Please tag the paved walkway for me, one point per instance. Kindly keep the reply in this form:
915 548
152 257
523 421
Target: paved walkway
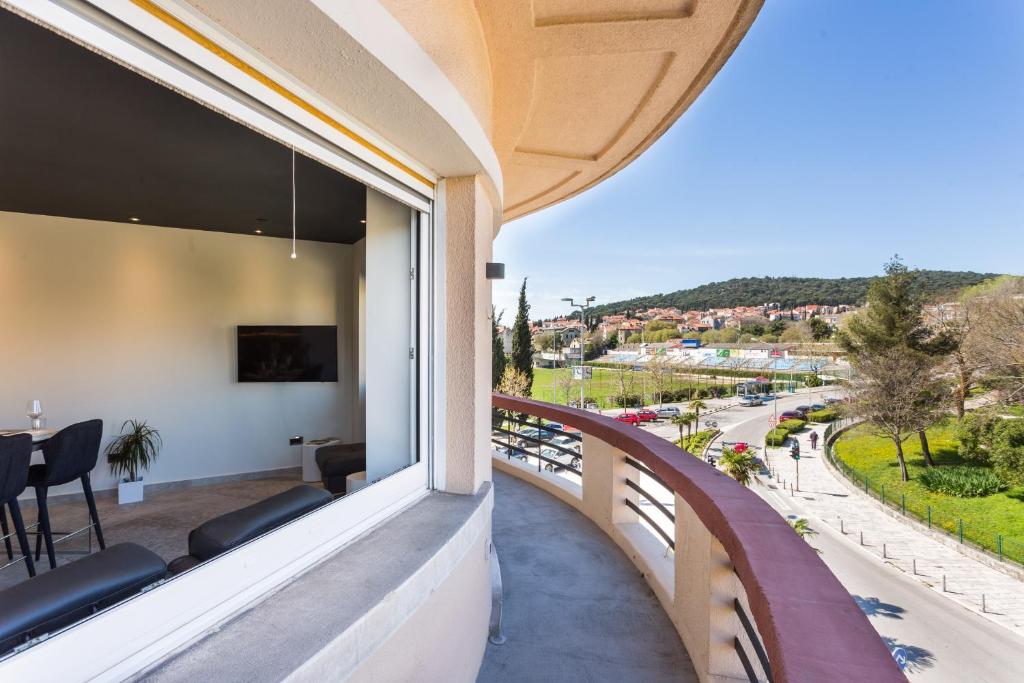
824 497
575 608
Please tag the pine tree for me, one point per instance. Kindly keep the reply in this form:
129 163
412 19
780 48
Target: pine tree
498 359
894 322
522 344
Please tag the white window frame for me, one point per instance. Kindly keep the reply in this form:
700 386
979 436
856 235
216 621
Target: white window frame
134 634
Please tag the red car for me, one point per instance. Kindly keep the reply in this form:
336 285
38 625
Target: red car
646 415
791 415
631 418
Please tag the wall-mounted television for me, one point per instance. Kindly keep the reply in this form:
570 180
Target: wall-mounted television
287 353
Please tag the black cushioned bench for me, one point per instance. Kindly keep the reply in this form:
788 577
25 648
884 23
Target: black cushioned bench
338 461
223 533
72 591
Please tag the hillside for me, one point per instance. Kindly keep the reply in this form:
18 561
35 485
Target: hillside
788 291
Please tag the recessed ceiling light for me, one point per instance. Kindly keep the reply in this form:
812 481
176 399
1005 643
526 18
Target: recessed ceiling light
362 221
134 219
258 231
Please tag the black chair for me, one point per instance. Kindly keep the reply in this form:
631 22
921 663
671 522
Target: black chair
70 454
15 454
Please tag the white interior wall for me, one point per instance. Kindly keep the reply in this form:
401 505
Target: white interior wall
386 366
121 321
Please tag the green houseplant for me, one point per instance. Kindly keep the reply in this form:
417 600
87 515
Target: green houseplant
130 454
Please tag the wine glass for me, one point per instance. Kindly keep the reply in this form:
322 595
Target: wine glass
34 409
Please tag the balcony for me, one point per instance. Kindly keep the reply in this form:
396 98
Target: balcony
748 598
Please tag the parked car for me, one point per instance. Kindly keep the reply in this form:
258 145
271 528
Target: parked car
803 410
646 415
815 407
832 400
561 460
750 400
592 406
530 435
668 412
631 418
566 442
790 415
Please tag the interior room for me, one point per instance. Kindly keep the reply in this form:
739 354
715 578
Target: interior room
164 267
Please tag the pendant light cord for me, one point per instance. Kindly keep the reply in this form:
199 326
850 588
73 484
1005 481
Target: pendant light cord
293 204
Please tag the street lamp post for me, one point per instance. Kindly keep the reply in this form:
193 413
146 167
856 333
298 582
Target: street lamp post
583 321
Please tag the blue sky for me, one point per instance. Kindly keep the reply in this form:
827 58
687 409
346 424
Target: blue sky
838 134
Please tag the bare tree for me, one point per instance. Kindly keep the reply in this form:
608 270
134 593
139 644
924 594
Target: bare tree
625 378
897 392
999 338
661 374
566 384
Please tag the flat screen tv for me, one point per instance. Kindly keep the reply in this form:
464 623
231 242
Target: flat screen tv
287 353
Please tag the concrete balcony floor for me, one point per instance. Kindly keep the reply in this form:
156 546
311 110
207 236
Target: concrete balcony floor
575 607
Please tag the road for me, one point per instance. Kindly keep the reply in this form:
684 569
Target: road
944 641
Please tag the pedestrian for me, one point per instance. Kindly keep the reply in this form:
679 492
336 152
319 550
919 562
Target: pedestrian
814 441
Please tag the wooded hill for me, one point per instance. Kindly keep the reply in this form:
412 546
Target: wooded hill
787 291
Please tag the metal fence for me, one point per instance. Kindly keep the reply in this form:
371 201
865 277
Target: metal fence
1005 549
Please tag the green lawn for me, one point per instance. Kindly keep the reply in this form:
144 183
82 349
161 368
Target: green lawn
984 519
605 386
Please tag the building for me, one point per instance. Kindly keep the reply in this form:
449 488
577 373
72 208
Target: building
250 223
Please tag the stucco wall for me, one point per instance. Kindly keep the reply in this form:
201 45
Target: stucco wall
468 230
122 321
450 32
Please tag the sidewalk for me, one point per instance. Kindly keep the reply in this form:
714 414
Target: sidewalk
822 497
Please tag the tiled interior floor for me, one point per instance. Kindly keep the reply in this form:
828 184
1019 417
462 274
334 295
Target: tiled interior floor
160 523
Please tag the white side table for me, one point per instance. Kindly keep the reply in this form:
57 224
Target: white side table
310 472
354 482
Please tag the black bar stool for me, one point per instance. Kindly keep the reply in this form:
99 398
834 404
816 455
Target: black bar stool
15 454
70 454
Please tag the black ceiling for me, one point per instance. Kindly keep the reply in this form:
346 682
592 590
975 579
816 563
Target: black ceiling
83 137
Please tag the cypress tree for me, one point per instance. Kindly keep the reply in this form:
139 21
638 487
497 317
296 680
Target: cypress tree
498 360
522 345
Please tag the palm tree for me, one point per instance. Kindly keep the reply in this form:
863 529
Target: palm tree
696 406
739 466
803 529
691 419
679 421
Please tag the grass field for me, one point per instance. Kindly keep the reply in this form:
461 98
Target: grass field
985 519
549 385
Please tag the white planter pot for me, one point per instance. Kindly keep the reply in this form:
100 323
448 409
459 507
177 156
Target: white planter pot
129 491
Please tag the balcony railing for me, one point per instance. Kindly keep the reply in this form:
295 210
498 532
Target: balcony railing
749 598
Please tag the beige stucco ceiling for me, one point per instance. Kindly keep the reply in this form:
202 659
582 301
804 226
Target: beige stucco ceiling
581 87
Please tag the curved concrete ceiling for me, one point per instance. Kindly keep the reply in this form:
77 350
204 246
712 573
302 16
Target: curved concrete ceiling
581 88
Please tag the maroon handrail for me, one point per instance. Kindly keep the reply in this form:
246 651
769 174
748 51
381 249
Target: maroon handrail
812 629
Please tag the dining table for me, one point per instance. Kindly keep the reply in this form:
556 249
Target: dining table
39 436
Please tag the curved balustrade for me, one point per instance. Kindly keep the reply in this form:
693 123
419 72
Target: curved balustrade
733 556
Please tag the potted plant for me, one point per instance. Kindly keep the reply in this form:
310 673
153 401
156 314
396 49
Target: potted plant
129 455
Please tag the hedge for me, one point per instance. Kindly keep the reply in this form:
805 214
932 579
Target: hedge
777 436
827 415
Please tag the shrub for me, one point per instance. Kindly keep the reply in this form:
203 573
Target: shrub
813 381
974 433
792 426
1007 453
961 481
827 415
776 437
631 401
697 442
